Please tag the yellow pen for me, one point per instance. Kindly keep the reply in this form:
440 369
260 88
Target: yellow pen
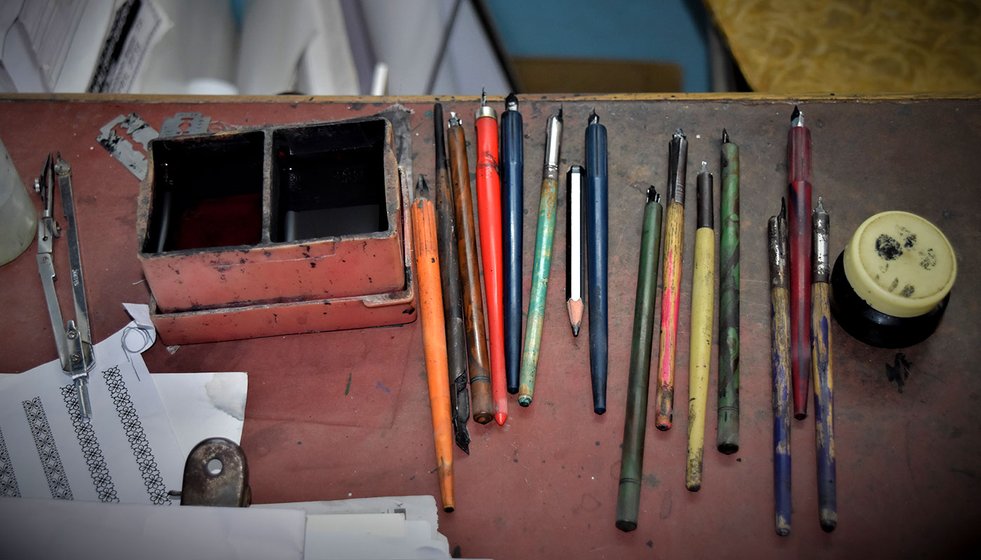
700 345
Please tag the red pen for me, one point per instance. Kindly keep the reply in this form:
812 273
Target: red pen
491 249
799 224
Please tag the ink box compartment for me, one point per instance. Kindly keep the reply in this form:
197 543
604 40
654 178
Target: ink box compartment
275 230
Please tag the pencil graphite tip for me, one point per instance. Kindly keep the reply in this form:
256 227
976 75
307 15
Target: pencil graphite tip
725 136
500 417
797 117
511 102
576 310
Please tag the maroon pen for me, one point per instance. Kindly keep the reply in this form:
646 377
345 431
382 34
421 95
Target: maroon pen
799 224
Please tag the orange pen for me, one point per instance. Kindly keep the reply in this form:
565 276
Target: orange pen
433 335
491 249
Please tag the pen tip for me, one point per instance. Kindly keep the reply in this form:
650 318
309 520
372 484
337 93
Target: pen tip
797 117
783 207
652 195
725 136
422 187
511 102
704 168
593 117
483 96
679 134
559 116
820 205
454 120
500 417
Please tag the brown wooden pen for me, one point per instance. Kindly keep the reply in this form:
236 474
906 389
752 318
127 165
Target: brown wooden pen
473 298
433 335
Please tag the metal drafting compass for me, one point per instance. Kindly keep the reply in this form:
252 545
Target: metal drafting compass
74 338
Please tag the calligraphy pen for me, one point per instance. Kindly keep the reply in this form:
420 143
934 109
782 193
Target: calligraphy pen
799 224
674 244
473 296
489 210
597 241
635 422
543 259
727 432
456 340
433 335
780 363
700 343
821 362
512 179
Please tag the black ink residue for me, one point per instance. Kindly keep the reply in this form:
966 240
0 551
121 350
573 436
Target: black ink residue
899 371
894 285
888 248
929 259
908 290
910 241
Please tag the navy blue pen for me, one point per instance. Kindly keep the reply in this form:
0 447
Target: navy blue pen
512 177
597 240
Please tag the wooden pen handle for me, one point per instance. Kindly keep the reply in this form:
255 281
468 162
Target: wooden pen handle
473 296
434 341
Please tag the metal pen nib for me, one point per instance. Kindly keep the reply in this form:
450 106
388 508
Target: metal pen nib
797 117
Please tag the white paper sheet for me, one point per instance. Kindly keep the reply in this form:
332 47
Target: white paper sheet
126 453
81 531
203 405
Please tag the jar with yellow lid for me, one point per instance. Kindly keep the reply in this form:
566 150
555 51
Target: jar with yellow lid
891 284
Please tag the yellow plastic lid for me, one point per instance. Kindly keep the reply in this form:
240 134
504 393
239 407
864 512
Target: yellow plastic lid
900 264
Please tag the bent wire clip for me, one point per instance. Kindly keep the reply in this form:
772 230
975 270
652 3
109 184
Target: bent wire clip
74 338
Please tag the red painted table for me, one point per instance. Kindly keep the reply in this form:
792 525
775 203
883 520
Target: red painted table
345 414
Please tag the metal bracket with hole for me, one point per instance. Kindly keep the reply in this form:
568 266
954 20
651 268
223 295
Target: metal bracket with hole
216 474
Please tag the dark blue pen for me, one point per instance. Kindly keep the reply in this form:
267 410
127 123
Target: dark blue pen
597 240
512 175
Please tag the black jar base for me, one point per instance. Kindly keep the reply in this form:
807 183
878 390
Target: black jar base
873 327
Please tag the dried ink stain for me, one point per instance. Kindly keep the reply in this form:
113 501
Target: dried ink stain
899 371
888 248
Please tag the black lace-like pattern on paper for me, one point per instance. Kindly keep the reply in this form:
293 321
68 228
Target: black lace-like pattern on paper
54 470
91 450
142 452
8 480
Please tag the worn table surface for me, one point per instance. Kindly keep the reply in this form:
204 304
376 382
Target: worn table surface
345 414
